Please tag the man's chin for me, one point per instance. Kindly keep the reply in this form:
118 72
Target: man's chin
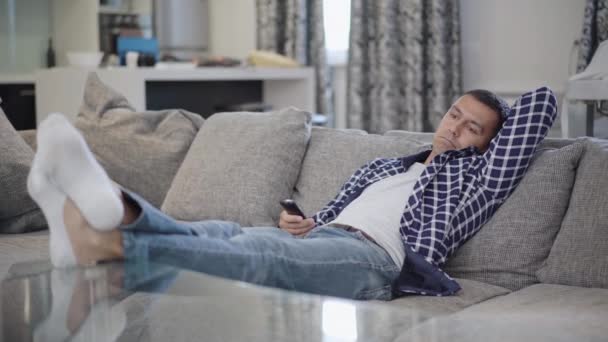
438 149
442 146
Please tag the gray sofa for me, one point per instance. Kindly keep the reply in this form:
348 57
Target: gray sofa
540 264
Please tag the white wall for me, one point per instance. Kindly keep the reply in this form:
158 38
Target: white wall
75 27
510 46
232 27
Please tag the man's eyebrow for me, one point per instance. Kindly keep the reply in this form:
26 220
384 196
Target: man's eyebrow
472 121
457 109
478 125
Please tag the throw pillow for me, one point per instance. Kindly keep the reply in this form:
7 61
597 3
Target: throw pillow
579 256
515 242
29 136
140 150
18 212
334 155
240 166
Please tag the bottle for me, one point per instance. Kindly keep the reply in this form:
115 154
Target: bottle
50 55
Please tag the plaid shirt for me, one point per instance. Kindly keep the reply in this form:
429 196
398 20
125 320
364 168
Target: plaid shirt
456 194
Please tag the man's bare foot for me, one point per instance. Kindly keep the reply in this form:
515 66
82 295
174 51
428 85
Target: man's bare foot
89 245
76 196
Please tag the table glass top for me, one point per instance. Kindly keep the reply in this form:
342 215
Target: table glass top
152 302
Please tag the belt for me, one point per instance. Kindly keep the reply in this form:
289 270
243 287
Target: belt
352 229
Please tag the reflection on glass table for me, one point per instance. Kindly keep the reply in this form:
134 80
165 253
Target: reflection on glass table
152 302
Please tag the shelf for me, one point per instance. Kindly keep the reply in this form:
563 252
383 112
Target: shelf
17 79
587 90
113 10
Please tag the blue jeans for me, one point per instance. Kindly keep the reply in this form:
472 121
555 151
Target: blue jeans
328 261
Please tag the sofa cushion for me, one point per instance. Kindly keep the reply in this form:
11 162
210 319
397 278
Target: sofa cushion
29 136
140 150
18 212
540 312
472 292
334 155
579 255
514 243
240 166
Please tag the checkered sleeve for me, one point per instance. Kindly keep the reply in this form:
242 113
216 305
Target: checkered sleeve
335 206
511 151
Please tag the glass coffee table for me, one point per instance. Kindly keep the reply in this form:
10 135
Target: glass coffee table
153 302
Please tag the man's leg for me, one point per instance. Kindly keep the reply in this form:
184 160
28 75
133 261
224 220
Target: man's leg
329 261
151 220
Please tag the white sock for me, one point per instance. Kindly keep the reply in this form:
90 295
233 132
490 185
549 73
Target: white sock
65 167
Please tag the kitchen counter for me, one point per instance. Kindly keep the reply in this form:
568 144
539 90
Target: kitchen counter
61 89
588 92
177 74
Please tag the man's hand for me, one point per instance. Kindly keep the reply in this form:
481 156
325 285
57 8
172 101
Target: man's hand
295 224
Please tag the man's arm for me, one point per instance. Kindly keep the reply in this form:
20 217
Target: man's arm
511 151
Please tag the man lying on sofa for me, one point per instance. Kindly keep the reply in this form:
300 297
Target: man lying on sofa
391 226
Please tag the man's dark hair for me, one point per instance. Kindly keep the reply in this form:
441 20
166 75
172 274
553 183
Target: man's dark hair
493 101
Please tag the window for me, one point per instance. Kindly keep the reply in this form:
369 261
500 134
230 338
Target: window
337 26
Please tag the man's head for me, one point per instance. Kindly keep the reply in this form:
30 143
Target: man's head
473 120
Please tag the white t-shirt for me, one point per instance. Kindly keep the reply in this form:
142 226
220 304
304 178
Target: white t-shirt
378 210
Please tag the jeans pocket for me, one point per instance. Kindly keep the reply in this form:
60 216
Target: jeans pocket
381 293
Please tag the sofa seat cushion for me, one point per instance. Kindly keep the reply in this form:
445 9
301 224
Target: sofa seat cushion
425 307
579 256
240 166
541 312
334 155
516 241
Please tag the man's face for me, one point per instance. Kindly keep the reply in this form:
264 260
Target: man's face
467 123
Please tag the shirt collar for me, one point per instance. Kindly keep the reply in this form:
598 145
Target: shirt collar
447 155
420 157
